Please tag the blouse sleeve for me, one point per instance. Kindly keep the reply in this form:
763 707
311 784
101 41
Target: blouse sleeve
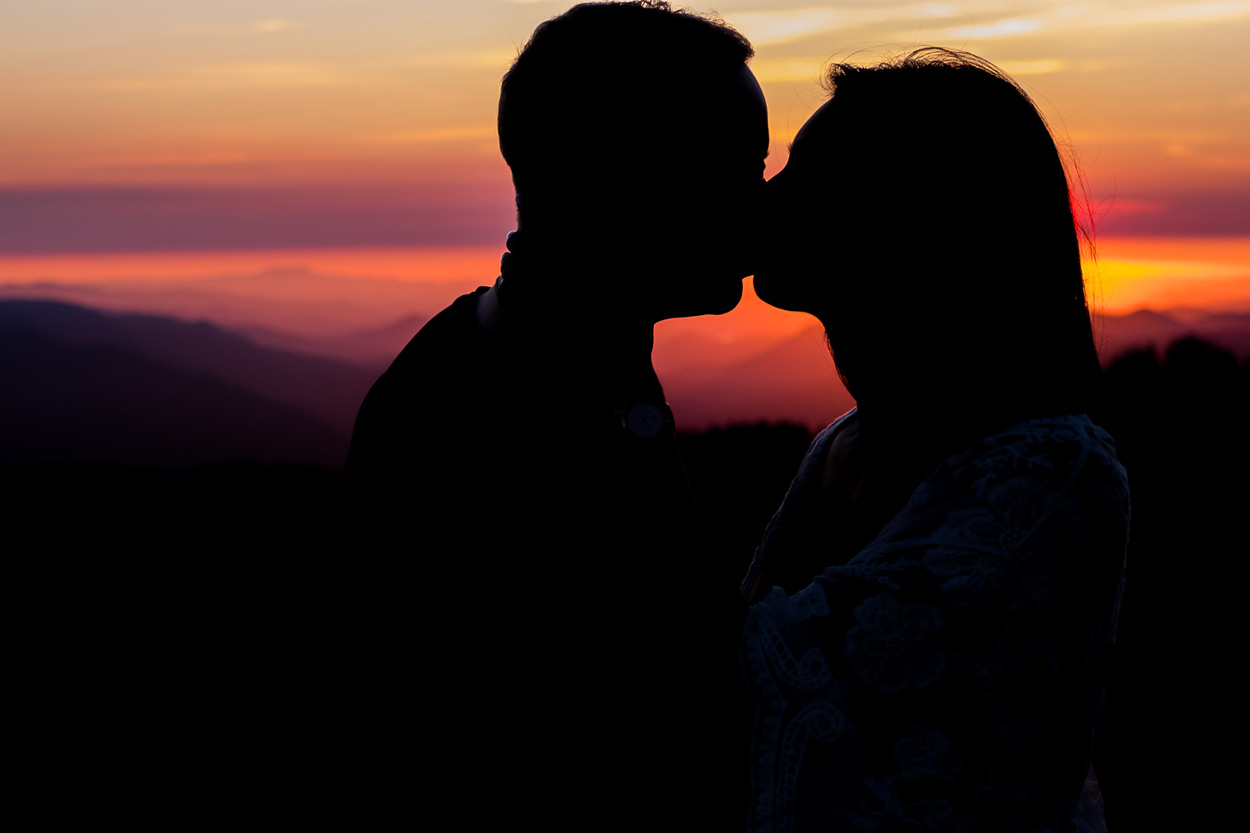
950 677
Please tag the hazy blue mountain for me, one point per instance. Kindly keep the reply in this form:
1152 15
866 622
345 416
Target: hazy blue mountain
373 348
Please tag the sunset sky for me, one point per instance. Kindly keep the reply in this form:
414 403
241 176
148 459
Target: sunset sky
360 133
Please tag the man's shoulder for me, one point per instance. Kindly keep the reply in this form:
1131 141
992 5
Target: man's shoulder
445 347
456 324
439 365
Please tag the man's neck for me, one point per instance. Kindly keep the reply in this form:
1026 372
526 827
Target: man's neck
583 338
569 292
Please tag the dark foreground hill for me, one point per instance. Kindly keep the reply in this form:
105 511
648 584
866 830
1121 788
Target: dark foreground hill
81 386
205 605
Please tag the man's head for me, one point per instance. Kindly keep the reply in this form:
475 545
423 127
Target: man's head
637 131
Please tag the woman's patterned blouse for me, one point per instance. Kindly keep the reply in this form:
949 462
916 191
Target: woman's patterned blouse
951 675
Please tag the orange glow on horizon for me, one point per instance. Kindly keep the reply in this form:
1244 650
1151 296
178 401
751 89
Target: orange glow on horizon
416 264
1132 273
1128 274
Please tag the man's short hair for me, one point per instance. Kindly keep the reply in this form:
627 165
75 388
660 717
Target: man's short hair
602 82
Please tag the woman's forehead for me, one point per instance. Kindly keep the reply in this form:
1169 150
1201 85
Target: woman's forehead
810 138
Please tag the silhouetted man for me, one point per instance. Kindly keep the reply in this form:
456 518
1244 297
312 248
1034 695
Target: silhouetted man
520 453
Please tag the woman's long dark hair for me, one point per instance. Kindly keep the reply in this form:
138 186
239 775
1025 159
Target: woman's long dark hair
955 254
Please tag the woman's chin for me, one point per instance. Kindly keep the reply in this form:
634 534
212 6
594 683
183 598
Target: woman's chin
729 297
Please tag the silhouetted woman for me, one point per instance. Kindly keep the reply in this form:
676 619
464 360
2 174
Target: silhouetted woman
934 602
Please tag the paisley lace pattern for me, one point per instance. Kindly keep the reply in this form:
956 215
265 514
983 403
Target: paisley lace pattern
950 677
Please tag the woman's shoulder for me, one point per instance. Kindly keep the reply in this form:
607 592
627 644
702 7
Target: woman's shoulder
1074 431
1020 502
1053 459
814 459
830 431
789 526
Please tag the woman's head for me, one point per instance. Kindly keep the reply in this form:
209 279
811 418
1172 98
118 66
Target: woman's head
925 217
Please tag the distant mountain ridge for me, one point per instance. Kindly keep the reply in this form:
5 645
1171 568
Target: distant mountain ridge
372 349
1118 334
79 384
795 379
789 380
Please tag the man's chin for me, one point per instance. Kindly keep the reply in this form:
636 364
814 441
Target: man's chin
730 298
717 300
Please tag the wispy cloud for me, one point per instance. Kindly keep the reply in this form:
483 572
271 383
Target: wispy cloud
1161 136
787 69
1009 28
1184 13
258 75
272 25
170 159
499 59
438 134
766 28
1037 67
974 20
999 23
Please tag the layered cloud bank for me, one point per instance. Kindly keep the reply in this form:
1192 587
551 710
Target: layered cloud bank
193 125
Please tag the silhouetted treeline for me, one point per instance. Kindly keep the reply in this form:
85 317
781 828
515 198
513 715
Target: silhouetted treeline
740 473
1181 421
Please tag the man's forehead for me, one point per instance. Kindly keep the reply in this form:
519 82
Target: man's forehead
736 114
737 84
